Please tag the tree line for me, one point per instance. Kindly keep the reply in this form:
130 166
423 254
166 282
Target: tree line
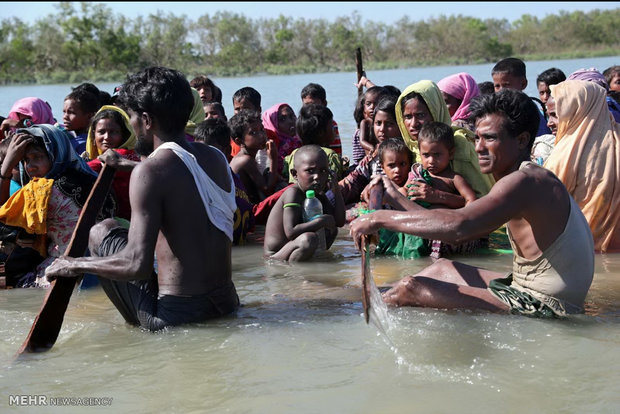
92 43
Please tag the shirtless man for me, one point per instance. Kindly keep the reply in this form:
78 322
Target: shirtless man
553 264
183 201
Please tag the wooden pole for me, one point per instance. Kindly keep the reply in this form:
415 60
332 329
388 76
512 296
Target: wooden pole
47 324
360 70
374 203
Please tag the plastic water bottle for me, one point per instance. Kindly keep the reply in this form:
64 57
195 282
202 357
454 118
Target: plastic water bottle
314 209
262 160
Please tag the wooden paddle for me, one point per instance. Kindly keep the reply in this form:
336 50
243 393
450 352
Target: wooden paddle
360 70
374 203
47 324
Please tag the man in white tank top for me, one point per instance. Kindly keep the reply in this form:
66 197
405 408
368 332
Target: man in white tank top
554 253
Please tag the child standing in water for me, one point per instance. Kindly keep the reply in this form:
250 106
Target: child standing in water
287 236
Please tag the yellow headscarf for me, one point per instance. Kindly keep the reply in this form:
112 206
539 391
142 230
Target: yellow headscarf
130 143
465 160
197 115
586 156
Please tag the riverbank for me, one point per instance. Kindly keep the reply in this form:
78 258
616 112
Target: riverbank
116 76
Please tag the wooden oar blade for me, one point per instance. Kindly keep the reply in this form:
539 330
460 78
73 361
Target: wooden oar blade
47 324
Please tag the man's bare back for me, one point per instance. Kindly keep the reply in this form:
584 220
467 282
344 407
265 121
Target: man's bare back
186 226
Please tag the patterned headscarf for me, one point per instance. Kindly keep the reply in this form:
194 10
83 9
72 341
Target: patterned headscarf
60 151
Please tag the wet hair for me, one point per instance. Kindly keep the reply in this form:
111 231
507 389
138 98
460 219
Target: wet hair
240 121
306 151
203 81
551 76
312 122
486 88
358 112
86 100
437 132
511 66
518 110
213 131
610 72
218 107
315 91
248 93
163 93
114 116
396 145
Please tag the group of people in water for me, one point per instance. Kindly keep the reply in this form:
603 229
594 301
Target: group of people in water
454 160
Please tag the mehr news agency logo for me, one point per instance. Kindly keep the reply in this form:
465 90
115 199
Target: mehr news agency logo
44 400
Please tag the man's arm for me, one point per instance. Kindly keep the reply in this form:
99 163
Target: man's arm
135 261
507 199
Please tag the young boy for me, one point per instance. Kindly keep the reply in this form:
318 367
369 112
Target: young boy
315 94
287 236
79 108
216 132
247 131
509 73
549 77
245 98
434 181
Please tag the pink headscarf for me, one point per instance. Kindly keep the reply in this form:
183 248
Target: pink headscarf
463 87
34 108
286 143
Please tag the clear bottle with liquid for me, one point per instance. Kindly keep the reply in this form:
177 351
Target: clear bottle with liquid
314 209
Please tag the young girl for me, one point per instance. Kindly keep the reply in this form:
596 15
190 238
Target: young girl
363 114
60 184
110 129
280 119
384 127
25 112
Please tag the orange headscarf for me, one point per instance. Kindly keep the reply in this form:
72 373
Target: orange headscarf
586 157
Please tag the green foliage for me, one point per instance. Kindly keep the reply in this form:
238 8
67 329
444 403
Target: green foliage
88 42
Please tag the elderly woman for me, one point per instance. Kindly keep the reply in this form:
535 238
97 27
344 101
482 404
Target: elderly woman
586 157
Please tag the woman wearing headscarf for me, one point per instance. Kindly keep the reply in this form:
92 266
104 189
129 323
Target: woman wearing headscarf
195 117
110 130
25 112
593 75
280 121
50 204
427 103
457 91
586 157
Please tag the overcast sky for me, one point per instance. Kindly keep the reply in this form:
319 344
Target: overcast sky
387 12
